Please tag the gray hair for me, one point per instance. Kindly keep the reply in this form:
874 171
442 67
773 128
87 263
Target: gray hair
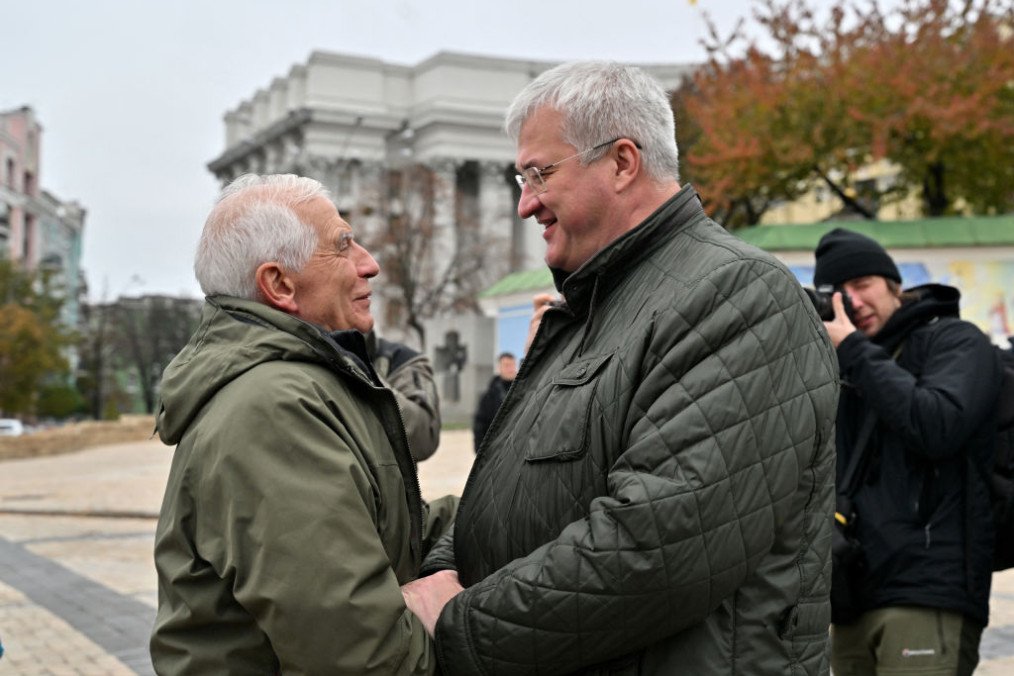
254 222
599 101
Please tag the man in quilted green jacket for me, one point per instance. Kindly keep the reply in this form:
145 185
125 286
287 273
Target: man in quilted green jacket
656 494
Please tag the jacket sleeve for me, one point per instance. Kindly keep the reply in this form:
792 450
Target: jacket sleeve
291 520
441 555
731 409
439 521
937 411
419 403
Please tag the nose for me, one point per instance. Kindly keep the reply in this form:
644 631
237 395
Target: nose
528 203
366 265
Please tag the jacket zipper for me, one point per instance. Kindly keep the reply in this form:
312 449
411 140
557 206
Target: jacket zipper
416 541
408 472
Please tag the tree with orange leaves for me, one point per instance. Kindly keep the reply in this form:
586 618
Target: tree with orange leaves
31 337
935 95
928 86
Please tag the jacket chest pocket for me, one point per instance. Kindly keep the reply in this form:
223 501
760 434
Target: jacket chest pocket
561 430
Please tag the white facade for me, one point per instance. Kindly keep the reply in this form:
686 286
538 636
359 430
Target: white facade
345 120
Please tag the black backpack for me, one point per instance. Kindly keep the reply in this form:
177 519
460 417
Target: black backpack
1001 481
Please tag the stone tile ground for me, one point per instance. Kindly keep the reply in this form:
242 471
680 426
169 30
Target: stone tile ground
77 582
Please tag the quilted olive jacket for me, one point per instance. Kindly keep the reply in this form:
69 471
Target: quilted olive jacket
655 495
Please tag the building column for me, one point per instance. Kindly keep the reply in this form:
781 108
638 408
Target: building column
369 192
444 212
496 207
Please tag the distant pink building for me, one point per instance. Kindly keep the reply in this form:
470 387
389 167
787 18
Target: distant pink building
37 229
20 205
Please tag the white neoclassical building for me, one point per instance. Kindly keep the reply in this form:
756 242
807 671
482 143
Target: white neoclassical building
345 120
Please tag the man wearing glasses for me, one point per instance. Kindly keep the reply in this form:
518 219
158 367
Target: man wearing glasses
655 496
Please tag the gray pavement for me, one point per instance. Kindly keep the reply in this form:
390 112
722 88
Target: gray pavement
77 583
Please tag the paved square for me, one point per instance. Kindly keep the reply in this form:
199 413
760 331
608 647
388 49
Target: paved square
77 581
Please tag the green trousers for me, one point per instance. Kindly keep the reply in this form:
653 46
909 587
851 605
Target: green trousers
906 640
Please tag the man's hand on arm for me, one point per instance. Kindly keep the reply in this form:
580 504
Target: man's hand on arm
427 596
841 326
541 303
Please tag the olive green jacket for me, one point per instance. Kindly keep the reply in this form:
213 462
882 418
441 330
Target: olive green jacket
292 512
655 495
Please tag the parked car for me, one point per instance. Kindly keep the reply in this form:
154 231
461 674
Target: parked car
11 427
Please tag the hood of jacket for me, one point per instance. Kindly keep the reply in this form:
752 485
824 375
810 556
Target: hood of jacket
235 336
931 300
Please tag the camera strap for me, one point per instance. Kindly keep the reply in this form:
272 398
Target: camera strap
850 481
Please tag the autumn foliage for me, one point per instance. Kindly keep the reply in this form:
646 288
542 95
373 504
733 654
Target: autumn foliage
928 85
31 338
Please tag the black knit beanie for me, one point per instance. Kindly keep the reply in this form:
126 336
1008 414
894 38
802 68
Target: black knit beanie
843 255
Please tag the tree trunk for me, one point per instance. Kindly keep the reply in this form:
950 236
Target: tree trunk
849 201
934 194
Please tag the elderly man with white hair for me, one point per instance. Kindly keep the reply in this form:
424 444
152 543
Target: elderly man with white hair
292 512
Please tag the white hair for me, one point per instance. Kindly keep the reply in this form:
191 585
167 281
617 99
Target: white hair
600 101
253 222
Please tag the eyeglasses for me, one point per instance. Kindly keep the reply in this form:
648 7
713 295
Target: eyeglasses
535 178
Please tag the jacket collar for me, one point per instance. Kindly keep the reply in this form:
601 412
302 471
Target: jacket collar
621 254
932 301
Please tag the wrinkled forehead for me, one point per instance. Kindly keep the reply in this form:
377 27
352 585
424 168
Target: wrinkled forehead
321 213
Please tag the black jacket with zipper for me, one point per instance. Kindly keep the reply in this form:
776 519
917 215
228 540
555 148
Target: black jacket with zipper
924 515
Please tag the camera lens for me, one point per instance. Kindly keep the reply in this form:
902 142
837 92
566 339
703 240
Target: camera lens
821 303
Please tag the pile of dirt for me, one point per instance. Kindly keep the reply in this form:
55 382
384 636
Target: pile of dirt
77 436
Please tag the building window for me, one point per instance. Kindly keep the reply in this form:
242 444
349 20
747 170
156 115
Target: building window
26 240
29 185
10 173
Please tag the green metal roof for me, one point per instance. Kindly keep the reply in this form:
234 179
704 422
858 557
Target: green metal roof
517 282
926 233
976 231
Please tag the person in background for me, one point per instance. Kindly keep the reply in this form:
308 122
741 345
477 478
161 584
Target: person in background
409 375
656 494
292 510
928 382
489 403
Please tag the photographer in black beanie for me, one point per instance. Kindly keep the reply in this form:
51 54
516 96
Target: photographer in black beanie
926 382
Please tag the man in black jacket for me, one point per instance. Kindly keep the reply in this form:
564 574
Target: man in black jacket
489 404
929 382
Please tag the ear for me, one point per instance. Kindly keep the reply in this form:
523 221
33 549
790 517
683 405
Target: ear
628 163
277 289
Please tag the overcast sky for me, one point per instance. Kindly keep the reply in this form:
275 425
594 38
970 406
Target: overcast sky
131 93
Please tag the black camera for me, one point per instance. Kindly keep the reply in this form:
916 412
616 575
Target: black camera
821 299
